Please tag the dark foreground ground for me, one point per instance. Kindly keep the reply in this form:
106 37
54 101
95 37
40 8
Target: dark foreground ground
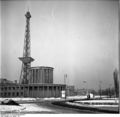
57 109
61 107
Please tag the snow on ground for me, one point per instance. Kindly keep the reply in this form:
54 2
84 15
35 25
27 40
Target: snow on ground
34 108
84 97
77 97
52 98
86 105
100 101
23 108
10 108
98 96
19 99
96 103
30 99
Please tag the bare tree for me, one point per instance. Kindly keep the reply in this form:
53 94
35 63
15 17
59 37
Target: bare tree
116 82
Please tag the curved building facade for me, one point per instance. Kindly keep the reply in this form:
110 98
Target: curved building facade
41 74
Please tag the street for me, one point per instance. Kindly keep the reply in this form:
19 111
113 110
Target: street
63 110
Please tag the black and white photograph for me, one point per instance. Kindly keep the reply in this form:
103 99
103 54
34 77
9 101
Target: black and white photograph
59 57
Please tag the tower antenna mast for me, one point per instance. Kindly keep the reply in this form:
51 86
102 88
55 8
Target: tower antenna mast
26 59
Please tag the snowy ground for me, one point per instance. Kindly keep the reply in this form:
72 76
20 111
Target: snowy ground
91 105
28 107
31 99
76 97
6 108
34 108
100 101
23 108
51 98
97 103
19 99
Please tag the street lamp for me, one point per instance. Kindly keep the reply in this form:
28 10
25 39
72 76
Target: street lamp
110 90
65 77
100 82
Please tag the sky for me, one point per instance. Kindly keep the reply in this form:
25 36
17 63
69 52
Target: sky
78 38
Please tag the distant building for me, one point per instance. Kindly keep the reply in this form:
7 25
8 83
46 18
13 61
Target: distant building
5 81
70 90
81 91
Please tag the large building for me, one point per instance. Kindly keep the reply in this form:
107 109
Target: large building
31 90
40 85
34 81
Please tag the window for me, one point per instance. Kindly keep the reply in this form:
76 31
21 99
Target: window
5 94
9 94
21 93
5 88
2 89
13 94
17 93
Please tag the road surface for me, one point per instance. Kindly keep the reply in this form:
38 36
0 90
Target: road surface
63 110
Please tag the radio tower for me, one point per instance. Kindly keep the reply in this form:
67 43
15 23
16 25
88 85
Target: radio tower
26 59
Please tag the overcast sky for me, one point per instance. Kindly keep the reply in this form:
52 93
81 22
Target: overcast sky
77 38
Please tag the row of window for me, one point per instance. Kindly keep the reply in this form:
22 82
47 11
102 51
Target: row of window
45 88
6 94
10 88
34 88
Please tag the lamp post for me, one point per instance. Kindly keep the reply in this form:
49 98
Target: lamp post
100 88
110 90
65 77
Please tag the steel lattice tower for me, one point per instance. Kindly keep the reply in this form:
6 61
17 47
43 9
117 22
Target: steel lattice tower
26 59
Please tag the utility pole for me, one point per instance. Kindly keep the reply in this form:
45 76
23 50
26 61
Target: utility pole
110 90
100 88
65 77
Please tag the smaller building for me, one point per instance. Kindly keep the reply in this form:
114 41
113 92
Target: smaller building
70 90
81 91
5 81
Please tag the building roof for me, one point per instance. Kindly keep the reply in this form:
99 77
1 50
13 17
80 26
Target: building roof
32 84
42 67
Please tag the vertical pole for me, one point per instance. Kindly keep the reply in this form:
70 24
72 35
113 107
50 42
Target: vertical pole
118 59
100 88
65 77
